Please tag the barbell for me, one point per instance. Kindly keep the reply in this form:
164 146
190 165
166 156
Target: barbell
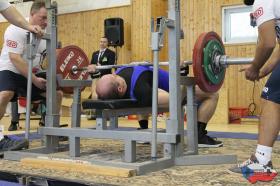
209 63
76 69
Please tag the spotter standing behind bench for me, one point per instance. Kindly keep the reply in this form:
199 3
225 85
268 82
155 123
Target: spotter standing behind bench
14 67
137 82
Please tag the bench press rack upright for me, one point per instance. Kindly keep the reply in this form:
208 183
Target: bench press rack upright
173 138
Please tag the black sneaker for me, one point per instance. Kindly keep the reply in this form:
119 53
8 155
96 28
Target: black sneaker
42 120
8 144
205 141
13 126
41 123
143 124
91 117
63 138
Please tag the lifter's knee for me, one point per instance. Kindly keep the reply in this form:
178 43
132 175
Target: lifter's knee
214 96
6 96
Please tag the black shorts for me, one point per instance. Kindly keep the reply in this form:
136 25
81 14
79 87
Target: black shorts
10 81
271 91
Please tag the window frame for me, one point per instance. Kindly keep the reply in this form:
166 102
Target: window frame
226 12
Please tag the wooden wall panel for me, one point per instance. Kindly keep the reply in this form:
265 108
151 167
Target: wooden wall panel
159 9
3 27
140 30
85 29
142 12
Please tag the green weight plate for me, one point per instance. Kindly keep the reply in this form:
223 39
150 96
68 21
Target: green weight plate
215 74
198 66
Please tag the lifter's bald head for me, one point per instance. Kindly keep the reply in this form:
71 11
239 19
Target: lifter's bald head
110 86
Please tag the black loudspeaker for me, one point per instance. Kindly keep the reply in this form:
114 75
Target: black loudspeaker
114 31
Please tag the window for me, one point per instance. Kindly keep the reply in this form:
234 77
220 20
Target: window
236 25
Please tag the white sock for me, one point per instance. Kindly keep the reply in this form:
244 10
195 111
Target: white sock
263 154
1 132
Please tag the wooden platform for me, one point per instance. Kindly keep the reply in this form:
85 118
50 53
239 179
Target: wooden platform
74 165
250 121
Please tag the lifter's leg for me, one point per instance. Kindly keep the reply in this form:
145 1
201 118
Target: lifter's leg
59 97
10 144
269 123
93 88
208 103
163 102
207 106
268 130
14 116
92 112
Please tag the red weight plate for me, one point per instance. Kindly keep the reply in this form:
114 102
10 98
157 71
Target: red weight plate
67 57
200 77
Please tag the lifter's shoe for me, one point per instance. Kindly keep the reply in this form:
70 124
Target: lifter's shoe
91 115
41 123
253 171
42 120
205 141
13 126
143 124
9 144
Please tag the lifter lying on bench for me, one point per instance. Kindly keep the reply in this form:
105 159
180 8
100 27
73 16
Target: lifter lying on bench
136 83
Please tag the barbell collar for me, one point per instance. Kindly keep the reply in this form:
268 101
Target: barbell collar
75 69
221 60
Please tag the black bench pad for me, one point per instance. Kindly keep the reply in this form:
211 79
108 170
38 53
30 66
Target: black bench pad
110 104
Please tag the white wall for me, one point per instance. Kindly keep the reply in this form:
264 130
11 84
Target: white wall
71 6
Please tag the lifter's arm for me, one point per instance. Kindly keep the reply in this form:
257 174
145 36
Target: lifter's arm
275 59
22 67
14 17
266 44
91 68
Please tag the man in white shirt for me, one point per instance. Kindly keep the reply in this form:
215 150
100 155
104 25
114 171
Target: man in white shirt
267 16
14 17
13 63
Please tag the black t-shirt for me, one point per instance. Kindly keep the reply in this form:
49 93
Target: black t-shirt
143 88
